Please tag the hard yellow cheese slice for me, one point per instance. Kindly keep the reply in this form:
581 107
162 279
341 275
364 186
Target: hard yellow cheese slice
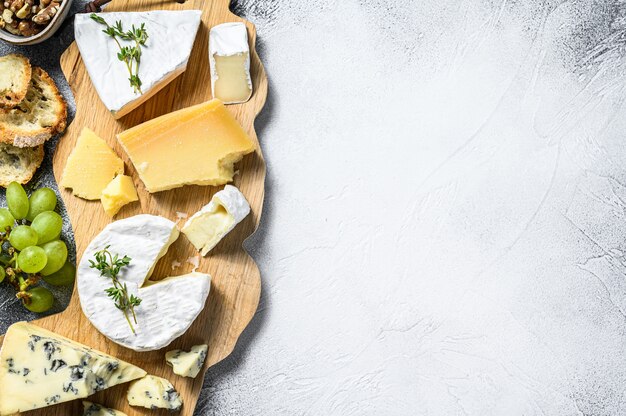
119 192
91 166
197 145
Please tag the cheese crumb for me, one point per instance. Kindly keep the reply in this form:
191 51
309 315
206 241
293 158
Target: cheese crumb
194 261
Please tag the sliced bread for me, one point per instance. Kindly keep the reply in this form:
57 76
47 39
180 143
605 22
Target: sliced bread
18 164
41 114
15 75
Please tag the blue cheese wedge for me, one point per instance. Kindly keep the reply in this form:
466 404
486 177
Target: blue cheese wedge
168 306
94 409
39 368
171 35
187 363
154 392
208 226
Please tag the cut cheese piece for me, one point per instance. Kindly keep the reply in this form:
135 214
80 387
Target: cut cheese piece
187 363
194 146
208 226
154 392
168 307
94 409
229 57
171 35
119 192
39 368
91 166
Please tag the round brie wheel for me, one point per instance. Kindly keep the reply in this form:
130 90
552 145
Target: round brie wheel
168 307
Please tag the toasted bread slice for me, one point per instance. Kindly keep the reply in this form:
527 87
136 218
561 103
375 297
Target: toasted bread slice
41 114
18 164
15 75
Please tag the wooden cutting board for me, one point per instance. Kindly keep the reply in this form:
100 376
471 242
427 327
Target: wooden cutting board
236 284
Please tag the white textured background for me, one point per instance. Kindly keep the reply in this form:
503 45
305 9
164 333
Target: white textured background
445 219
446 211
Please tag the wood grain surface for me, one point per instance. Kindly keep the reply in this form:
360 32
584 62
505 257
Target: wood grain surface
236 284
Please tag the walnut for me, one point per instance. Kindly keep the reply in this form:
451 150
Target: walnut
44 3
11 27
16 5
25 11
28 28
7 16
44 16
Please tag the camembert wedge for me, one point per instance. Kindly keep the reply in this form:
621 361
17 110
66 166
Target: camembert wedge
229 57
171 35
39 368
198 145
91 166
208 226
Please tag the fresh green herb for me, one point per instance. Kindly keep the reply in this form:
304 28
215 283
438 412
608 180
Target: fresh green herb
110 266
130 55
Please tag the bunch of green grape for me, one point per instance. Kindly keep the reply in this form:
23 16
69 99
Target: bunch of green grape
30 248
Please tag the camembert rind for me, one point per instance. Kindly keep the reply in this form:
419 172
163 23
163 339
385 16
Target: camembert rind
198 145
220 216
165 56
168 306
154 392
229 41
39 368
187 363
94 409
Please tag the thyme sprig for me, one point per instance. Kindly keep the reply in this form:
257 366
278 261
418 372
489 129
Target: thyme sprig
130 55
110 266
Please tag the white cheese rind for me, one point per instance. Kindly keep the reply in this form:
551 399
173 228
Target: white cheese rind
168 307
154 392
237 207
229 39
171 35
94 409
39 368
187 363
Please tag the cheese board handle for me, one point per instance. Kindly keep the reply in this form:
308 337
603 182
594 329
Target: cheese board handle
95 6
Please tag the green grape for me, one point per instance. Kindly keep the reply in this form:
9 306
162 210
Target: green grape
23 236
48 226
6 219
32 259
43 199
2 274
17 200
41 299
62 277
56 252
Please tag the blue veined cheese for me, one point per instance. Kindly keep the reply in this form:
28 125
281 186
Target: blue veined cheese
168 307
94 409
220 216
154 392
171 35
187 363
39 368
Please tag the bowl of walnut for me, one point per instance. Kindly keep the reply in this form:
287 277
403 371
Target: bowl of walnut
27 22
